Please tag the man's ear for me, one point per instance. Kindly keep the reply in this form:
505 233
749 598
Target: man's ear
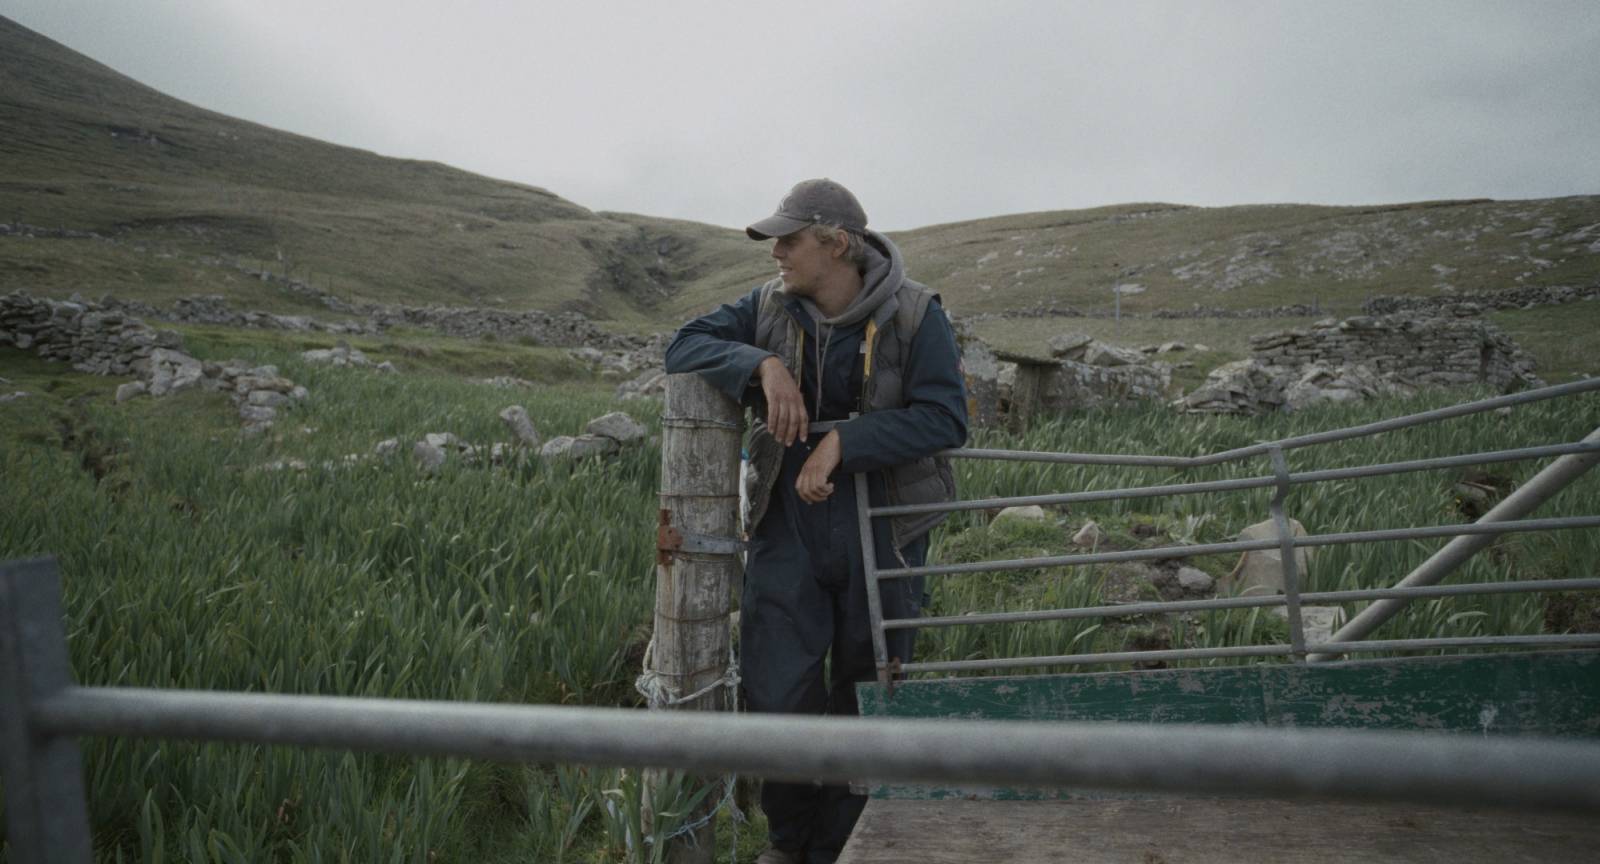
841 245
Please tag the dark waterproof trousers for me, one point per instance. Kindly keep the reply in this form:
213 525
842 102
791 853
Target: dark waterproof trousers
805 602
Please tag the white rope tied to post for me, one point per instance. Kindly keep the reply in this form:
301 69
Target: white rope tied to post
657 693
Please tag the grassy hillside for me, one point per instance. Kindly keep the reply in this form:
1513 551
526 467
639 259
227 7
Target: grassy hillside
158 198
1253 256
123 189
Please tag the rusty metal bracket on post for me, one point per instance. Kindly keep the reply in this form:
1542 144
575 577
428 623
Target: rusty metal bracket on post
670 541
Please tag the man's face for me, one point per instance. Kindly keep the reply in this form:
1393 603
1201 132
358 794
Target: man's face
802 262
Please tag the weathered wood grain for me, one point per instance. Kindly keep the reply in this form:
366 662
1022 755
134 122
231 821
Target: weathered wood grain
694 591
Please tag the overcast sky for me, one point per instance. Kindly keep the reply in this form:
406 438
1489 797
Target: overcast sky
931 111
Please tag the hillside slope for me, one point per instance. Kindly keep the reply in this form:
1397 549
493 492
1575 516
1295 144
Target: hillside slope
110 186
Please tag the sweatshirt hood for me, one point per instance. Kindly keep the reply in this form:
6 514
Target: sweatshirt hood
880 279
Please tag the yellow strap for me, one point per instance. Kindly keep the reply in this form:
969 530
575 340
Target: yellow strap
866 366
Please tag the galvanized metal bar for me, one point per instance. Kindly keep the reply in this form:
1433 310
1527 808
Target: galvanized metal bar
1289 557
1336 539
41 772
1069 458
1241 483
869 565
1364 765
1417 419
1126 610
1541 487
1106 658
1563 640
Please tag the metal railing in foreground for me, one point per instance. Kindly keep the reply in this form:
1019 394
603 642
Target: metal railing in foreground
1573 459
47 820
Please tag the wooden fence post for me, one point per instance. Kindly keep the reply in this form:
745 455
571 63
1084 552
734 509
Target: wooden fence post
697 569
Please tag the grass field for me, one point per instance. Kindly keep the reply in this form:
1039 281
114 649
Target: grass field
189 563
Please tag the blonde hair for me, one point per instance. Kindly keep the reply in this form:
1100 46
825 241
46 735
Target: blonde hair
856 248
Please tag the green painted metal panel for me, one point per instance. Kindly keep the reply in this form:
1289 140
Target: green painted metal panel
1544 693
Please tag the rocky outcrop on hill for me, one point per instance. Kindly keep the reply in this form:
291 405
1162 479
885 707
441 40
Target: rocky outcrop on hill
1361 357
1468 303
92 338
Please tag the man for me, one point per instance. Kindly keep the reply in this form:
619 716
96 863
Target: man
849 367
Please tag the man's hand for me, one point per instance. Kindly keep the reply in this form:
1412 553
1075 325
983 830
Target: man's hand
786 409
813 484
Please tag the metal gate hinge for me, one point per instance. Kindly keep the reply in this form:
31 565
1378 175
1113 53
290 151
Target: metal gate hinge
670 540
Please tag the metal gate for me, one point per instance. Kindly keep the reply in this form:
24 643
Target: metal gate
1572 460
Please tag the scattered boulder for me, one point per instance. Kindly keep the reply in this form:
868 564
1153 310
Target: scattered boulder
1319 622
344 355
1030 513
618 427
1194 580
386 447
428 455
1261 571
521 426
172 371
442 440
1089 536
653 383
130 390
580 447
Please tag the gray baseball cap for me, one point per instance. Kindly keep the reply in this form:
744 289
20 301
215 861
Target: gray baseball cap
812 202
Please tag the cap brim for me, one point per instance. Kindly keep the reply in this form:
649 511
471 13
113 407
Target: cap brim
775 226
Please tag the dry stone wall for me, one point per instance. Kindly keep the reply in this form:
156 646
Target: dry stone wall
91 337
1362 357
1468 303
1413 351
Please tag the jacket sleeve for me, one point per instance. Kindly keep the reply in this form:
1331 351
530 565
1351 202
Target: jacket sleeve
935 414
720 345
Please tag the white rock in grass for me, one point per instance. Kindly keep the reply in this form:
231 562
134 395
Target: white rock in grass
1089 535
1319 621
130 390
299 393
442 440
1261 571
568 447
516 418
1195 580
618 427
387 447
428 455
1031 513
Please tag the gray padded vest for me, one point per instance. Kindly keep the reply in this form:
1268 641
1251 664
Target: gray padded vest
893 326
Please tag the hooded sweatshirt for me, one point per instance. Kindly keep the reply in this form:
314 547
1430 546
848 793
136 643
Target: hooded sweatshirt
720 346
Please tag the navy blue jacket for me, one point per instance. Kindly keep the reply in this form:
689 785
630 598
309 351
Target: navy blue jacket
720 346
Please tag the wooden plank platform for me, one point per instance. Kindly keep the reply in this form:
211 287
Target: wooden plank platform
1211 831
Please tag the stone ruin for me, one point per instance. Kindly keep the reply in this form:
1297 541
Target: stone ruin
1361 357
1082 372
93 339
